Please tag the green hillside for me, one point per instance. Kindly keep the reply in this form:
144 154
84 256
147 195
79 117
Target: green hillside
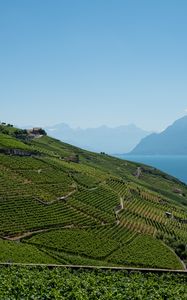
65 205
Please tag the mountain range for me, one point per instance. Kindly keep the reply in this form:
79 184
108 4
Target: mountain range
101 139
171 141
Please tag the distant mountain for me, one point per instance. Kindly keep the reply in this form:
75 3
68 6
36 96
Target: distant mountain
172 141
110 140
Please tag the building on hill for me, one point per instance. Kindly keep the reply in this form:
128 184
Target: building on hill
72 158
178 191
168 214
36 131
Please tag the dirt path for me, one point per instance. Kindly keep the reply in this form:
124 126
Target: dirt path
121 203
180 260
30 233
121 206
119 209
62 198
128 269
138 172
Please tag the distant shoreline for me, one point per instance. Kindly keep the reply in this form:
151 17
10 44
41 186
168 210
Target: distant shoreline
175 165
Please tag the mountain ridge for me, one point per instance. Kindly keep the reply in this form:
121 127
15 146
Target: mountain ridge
171 141
100 139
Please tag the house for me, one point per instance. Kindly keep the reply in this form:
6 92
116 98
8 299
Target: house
72 158
168 214
178 191
36 131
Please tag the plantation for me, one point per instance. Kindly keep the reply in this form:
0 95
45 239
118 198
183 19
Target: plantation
58 284
11 252
89 211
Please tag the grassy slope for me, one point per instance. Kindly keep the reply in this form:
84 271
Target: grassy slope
29 192
22 253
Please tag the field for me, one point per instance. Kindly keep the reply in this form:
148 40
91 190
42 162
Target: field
95 211
58 284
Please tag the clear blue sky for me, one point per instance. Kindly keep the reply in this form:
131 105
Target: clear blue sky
93 62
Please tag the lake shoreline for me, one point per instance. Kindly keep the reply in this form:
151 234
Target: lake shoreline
175 165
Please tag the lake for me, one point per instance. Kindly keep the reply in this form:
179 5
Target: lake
171 164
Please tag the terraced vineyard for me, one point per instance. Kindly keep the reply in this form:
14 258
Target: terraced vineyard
92 211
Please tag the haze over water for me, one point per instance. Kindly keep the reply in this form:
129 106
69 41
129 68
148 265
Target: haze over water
172 164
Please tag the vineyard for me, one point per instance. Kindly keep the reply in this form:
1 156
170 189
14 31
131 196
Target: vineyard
93 211
68 284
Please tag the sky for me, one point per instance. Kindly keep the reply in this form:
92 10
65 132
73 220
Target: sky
93 62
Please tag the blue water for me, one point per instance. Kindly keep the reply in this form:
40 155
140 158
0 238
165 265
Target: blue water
171 164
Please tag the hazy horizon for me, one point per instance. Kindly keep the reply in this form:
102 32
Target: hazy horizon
78 127
89 127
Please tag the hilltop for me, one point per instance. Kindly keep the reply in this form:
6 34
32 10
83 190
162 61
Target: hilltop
61 204
172 141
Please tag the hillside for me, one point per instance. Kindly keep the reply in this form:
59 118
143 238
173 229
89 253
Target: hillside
171 141
61 204
101 139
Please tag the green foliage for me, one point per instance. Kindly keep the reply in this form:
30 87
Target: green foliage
107 244
83 242
179 247
86 180
146 251
8 142
68 284
22 253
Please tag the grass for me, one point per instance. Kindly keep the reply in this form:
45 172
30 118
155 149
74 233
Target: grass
22 253
146 251
7 142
